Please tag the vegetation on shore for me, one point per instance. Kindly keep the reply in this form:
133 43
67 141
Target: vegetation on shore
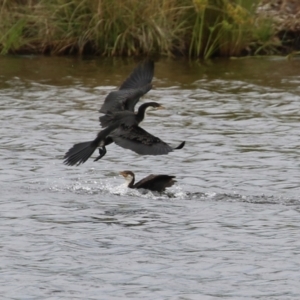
195 28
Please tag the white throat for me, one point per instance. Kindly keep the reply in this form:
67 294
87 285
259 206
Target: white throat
128 178
149 108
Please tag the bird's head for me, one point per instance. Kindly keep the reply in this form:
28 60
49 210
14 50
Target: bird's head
150 106
128 175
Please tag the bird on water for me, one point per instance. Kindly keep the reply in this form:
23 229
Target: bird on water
156 183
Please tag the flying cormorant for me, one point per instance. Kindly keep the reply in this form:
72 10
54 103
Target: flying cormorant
135 86
122 123
125 132
152 182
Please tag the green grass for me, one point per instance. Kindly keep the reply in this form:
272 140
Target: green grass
199 28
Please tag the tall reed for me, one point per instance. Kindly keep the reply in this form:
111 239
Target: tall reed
198 28
225 28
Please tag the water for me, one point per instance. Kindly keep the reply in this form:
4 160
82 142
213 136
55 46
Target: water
229 228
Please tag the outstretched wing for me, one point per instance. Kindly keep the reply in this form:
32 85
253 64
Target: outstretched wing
140 141
135 86
124 99
140 76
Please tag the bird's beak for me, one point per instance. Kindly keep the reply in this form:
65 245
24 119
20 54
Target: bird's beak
121 173
161 107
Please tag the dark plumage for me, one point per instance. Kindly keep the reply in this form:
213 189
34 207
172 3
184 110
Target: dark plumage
156 183
140 141
121 123
81 152
122 129
131 136
129 117
135 86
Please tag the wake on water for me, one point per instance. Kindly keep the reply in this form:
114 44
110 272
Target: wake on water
108 187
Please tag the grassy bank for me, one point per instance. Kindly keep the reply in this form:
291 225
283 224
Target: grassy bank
195 28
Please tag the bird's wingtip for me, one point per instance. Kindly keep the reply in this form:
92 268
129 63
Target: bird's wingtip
180 146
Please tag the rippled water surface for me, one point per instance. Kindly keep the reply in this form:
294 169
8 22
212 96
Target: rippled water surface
228 229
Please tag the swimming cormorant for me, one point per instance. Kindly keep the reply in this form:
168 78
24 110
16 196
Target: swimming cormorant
125 132
135 86
156 183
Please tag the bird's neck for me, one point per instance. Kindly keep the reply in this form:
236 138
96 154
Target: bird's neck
131 183
141 113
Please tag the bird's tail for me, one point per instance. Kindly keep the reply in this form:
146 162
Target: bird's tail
79 153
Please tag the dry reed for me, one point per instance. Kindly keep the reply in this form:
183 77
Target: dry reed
198 28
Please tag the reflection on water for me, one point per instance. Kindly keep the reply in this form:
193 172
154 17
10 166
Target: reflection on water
229 228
